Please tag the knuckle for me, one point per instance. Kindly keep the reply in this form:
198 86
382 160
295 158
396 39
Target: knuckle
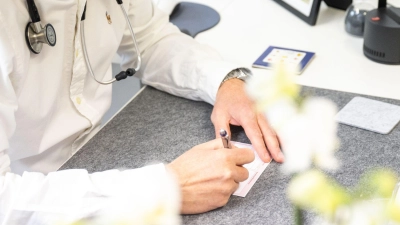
221 156
258 134
228 174
275 148
272 133
224 157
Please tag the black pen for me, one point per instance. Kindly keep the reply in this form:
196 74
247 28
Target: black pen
226 140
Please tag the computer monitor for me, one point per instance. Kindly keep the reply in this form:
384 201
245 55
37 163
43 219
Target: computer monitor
308 10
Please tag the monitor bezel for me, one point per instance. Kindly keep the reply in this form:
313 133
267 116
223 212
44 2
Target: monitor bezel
311 19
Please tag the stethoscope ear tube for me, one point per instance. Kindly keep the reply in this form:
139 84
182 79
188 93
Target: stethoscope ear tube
33 11
83 14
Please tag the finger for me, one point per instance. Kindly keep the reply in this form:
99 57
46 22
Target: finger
240 174
241 156
254 133
271 139
220 121
213 145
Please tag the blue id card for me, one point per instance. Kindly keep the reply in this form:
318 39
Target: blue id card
292 57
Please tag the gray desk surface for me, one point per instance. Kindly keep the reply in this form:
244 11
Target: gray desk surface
157 126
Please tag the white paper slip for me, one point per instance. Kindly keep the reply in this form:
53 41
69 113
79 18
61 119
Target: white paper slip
255 168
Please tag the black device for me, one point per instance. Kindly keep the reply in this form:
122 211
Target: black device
382 34
338 4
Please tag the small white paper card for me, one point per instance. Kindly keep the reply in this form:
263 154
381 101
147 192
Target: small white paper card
368 114
255 168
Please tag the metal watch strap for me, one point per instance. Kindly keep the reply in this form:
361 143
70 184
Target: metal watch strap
239 73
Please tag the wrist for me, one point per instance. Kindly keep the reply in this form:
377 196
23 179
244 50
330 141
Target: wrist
238 74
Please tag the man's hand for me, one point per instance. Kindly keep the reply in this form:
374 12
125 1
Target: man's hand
232 106
208 174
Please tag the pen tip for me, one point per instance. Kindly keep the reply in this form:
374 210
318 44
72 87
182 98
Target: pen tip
223 132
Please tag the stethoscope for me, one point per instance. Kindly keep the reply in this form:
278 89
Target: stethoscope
36 35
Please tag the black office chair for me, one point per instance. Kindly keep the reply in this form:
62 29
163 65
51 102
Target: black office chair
193 18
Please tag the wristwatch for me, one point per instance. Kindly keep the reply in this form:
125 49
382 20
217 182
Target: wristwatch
239 73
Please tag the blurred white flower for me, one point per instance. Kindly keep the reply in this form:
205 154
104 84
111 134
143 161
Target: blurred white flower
306 128
321 221
267 90
296 139
371 212
307 132
280 112
309 136
314 190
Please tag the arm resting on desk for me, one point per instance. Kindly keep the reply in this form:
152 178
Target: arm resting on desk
70 195
172 61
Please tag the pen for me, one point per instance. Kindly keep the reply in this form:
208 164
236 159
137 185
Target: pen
226 140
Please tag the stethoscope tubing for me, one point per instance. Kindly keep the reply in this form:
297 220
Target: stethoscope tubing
85 52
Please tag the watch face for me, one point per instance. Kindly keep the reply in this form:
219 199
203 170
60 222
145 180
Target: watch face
51 34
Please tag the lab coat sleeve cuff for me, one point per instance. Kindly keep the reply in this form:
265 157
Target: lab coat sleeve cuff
70 195
115 183
213 73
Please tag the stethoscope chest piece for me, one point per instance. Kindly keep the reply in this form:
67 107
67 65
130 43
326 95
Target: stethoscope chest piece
36 35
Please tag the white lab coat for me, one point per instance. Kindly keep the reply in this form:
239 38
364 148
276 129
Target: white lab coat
50 106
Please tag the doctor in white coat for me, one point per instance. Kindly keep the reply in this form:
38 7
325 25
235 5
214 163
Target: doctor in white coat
50 106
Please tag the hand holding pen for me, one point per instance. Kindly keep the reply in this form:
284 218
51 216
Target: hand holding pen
209 173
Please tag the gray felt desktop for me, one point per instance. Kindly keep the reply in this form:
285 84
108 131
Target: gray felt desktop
157 126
